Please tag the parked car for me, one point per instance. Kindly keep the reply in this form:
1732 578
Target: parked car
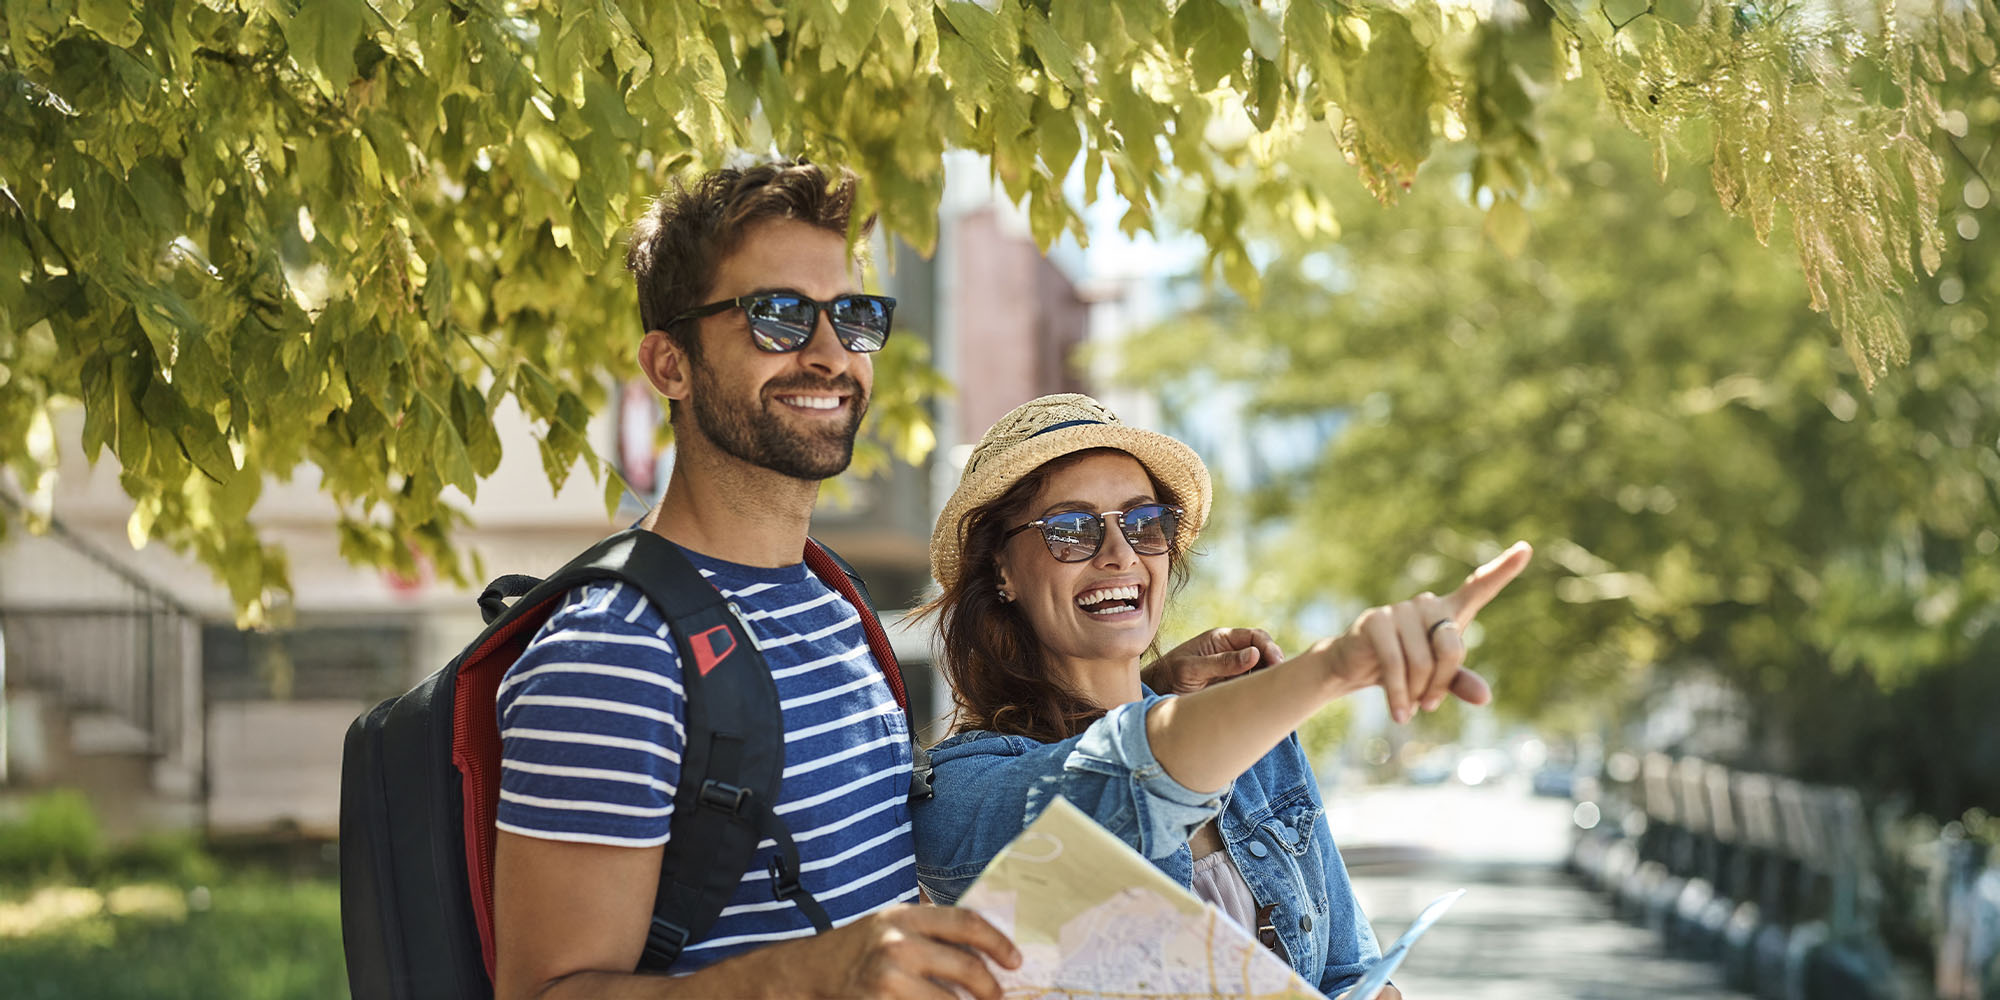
1433 767
1555 779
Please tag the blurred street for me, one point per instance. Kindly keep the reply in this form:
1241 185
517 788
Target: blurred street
1524 928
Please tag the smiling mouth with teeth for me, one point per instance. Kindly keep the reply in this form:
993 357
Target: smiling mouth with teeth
812 402
1110 600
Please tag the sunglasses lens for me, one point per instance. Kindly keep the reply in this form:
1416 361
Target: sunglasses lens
1150 528
781 322
1074 536
862 321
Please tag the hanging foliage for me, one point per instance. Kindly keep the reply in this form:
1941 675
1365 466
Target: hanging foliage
259 236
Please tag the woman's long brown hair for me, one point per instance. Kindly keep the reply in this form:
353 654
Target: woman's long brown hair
1000 674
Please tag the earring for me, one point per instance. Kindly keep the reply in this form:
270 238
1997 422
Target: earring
1005 597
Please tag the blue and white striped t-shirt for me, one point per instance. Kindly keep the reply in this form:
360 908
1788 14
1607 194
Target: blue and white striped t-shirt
591 727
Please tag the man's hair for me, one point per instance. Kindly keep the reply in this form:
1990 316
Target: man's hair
677 245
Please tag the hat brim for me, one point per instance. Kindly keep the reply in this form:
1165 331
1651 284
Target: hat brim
1174 464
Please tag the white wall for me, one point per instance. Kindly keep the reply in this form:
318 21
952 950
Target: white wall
520 525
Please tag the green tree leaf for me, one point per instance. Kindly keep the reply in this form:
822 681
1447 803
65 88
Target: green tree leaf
116 21
1507 226
1389 93
1214 39
322 36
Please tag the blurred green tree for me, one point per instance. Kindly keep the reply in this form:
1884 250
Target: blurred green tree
259 236
1709 487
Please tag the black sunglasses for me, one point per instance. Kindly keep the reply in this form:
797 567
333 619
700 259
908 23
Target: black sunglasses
1075 535
781 322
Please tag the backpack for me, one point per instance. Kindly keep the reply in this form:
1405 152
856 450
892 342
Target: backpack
420 778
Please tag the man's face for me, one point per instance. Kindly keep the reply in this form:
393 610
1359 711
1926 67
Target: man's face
797 413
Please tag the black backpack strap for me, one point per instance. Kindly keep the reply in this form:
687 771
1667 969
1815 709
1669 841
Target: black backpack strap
493 600
733 761
683 911
732 764
785 868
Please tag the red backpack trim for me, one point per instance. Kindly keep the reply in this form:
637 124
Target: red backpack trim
475 751
834 575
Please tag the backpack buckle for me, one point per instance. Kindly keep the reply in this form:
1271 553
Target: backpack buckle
725 797
784 879
664 942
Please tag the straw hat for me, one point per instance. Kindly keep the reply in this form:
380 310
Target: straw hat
1043 429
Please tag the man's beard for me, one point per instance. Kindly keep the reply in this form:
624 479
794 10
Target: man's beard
753 433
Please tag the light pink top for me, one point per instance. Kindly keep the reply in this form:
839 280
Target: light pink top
1219 884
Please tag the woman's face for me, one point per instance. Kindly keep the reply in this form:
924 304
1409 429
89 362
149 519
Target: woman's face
1105 608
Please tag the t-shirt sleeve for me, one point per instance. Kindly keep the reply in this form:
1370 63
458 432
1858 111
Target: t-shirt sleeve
592 724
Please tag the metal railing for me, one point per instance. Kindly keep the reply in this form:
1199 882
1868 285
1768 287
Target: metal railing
130 651
1776 880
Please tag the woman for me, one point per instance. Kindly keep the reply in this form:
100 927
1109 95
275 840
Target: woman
1056 554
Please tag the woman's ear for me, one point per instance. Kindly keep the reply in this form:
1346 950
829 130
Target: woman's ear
665 364
1006 590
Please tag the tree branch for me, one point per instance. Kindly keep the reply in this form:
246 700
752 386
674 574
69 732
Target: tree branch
236 59
1617 27
30 232
1966 158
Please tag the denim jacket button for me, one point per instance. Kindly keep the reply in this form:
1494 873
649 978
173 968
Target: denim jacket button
1258 850
1288 835
1305 922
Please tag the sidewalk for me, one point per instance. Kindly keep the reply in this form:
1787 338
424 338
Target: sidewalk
1523 931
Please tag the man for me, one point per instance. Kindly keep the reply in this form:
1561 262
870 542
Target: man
759 337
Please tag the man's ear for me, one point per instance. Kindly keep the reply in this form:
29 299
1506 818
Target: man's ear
665 364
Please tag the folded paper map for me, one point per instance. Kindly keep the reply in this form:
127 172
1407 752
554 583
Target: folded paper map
1095 920
1377 976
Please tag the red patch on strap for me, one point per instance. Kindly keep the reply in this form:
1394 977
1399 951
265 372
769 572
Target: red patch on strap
706 656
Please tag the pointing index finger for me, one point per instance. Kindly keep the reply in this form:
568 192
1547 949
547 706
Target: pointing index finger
1486 582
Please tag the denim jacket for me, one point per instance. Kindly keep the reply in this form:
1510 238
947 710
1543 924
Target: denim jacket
990 786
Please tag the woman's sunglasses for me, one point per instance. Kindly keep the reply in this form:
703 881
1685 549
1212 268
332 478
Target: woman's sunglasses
1074 536
781 322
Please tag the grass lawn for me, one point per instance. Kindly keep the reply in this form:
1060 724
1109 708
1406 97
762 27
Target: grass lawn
252 936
